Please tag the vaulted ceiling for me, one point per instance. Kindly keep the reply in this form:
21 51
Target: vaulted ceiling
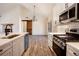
41 8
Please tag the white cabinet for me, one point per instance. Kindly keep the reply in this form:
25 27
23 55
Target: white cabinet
21 45
6 50
50 38
71 51
15 47
18 46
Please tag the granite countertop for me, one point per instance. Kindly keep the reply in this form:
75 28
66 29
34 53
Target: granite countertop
74 44
5 41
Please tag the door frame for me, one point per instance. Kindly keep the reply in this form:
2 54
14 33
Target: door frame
32 24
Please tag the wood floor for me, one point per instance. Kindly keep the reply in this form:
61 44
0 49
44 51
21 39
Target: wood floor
38 46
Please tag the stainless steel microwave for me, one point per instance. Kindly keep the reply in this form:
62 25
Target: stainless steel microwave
70 14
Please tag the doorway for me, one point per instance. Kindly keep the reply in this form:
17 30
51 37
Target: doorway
27 25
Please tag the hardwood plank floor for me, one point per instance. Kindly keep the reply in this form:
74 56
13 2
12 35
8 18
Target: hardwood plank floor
38 46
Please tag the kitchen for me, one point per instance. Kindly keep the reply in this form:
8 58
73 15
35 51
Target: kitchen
66 36
58 21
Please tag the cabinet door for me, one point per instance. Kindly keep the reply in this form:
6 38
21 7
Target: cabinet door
21 45
50 37
16 47
71 51
5 47
50 44
8 52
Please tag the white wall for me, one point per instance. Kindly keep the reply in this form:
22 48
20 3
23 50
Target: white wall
18 13
43 14
40 27
57 9
11 16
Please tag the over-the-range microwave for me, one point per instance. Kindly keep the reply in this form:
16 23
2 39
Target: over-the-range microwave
70 14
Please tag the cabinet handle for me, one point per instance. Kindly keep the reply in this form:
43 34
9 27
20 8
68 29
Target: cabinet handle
75 54
1 50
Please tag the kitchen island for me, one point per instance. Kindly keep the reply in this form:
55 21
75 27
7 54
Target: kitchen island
13 44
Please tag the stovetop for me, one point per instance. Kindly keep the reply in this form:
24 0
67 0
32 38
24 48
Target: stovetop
67 38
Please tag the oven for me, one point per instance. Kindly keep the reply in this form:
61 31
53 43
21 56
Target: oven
60 40
59 47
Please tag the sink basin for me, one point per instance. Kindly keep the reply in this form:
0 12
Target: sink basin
10 37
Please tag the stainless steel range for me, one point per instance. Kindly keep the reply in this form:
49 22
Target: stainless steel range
59 41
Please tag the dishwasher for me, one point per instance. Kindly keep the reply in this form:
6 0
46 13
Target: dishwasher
26 41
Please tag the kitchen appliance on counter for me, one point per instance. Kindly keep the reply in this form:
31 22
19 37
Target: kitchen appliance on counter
60 40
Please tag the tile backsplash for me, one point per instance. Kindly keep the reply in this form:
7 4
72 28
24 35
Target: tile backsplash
74 25
62 28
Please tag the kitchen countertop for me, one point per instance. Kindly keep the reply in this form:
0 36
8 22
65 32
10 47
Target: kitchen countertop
52 33
74 44
5 41
59 33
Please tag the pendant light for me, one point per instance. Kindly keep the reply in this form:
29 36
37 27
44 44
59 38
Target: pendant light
34 12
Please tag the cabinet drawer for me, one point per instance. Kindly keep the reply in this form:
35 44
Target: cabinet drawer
72 51
5 47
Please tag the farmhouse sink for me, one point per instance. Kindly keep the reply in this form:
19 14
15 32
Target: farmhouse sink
10 37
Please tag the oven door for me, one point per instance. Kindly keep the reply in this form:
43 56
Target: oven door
59 51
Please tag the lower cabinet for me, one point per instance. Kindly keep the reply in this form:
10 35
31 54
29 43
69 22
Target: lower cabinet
71 51
13 48
18 46
50 38
50 43
21 45
8 52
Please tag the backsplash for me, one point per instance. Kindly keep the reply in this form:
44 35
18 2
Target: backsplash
74 25
62 28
